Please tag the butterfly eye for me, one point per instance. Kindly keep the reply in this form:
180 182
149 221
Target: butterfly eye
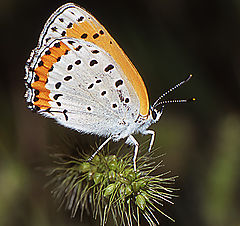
154 114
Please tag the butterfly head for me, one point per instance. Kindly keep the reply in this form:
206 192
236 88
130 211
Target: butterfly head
155 114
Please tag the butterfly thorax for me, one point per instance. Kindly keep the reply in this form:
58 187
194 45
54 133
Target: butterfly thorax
140 125
145 121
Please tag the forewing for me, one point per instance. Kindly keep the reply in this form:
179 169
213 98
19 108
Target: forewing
71 20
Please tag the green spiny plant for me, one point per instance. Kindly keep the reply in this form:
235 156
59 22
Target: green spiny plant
108 186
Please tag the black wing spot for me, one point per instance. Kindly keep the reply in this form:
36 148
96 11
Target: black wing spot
35 99
55 97
58 59
103 93
78 48
36 78
61 20
57 85
54 28
69 67
71 42
40 63
80 19
98 81
57 45
93 62
59 104
64 112
70 25
89 108
95 51
114 105
36 92
77 62
66 52
67 78
101 32
47 39
109 67
84 36
95 35
63 33
90 86
118 83
127 100
48 52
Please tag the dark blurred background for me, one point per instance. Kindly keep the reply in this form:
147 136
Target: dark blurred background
166 40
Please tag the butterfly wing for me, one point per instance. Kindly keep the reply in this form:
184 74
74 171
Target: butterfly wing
72 21
81 86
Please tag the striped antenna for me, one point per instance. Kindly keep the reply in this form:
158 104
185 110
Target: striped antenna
175 101
156 103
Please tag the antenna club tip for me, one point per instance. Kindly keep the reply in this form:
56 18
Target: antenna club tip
189 77
191 99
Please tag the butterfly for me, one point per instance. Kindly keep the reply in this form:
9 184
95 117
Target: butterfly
79 76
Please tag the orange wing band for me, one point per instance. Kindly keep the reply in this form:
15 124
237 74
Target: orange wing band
51 56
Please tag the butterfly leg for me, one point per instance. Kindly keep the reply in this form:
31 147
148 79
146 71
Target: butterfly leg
152 133
99 148
132 140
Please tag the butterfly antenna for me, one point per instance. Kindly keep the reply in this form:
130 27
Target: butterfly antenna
156 103
176 101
